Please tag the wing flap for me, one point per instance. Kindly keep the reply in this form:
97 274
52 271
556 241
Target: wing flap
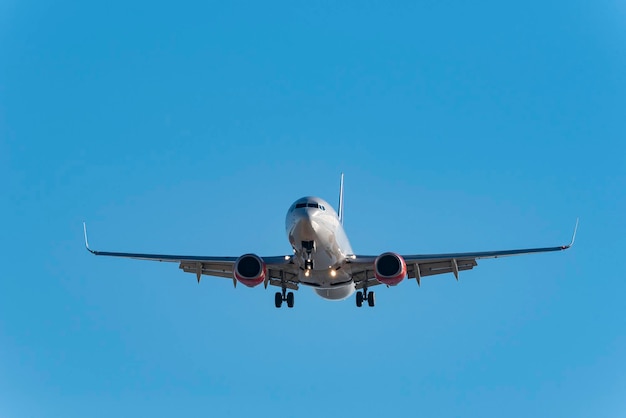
277 273
363 274
288 285
440 267
224 270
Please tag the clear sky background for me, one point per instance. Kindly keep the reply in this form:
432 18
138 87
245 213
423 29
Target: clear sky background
169 127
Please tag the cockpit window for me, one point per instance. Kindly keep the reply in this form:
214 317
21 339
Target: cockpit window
309 205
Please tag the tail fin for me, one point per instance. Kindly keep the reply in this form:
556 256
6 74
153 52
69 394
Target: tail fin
341 200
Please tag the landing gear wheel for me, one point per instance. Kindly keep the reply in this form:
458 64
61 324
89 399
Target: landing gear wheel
278 299
359 299
371 299
290 299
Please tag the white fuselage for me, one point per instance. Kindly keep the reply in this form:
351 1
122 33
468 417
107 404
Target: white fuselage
320 247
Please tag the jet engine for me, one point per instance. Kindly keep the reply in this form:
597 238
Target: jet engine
389 269
250 270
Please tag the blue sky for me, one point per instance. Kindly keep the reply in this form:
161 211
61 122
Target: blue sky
191 128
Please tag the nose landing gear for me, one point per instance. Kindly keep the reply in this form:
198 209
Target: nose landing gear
308 247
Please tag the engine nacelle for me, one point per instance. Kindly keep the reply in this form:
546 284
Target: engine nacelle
389 269
250 270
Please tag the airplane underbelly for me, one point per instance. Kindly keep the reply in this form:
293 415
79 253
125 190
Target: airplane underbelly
336 293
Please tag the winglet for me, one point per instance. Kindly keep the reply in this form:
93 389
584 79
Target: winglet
87 242
341 200
565 247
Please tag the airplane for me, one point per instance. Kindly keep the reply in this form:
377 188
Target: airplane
323 259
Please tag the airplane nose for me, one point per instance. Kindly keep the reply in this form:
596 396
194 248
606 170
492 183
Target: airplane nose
304 226
305 215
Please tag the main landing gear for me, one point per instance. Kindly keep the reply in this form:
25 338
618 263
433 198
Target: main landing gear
365 295
283 296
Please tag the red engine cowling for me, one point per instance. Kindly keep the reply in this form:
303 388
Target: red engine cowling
389 269
250 270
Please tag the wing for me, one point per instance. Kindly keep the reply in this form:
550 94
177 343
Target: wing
421 265
280 269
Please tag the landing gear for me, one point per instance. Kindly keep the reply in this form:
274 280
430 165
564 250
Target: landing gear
365 295
308 247
283 296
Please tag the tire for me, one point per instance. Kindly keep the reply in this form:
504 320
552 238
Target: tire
290 299
359 299
278 299
371 299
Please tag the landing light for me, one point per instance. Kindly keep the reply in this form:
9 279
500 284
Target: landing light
306 273
333 273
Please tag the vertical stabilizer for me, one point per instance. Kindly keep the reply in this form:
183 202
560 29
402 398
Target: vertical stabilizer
341 200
